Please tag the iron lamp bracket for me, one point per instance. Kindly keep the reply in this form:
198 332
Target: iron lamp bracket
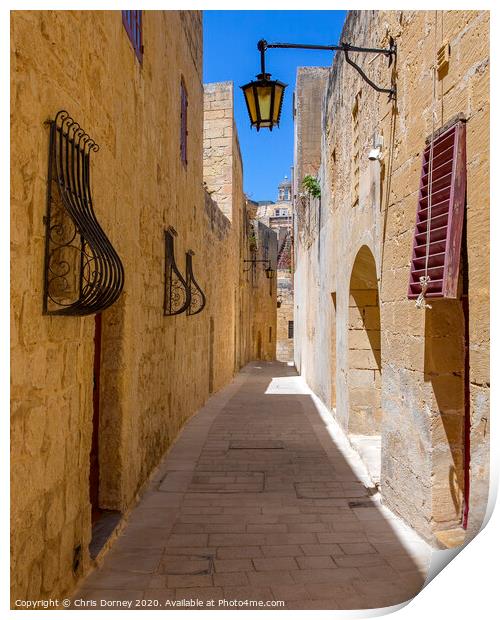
390 52
253 263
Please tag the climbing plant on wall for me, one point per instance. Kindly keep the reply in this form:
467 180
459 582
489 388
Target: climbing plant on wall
311 185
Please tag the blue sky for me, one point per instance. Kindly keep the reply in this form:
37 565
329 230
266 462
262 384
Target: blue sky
230 53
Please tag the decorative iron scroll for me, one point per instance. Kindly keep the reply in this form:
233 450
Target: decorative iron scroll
83 273
177 291
198 299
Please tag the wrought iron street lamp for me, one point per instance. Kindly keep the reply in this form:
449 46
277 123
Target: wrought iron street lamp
253 262
264 98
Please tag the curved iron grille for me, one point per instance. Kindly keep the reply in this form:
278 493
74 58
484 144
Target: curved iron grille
198 299
177 291
83 273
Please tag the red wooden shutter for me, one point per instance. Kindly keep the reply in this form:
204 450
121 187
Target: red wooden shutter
184 104
446 214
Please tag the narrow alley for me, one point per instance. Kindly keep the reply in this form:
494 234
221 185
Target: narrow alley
249 306
260 499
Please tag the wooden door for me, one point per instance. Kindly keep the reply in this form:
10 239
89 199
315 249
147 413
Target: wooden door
94 451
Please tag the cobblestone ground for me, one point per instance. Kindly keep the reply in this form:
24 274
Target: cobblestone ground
256 501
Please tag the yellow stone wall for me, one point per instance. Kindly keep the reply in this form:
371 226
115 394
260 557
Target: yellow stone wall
156 370
222 172
281 224
284 344
422 352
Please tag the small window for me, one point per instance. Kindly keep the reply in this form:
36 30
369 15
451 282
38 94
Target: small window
290 329
270 334
184 131
132 20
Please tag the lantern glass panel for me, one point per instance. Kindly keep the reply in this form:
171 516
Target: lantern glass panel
250 99
278 95
264 94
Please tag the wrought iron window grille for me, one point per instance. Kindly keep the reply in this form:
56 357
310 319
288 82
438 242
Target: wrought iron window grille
83 273
198 299
177 292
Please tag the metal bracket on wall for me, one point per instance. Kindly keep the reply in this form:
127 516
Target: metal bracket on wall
390 52
177 292
198 299
83 273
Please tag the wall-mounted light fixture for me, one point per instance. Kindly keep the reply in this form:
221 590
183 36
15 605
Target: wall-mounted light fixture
264 98
269 272
253 262
376 150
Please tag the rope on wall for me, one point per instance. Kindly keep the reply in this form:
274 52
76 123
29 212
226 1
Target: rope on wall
425 279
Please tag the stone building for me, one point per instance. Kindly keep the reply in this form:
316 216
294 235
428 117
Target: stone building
256 336
279 217
410 385
99 396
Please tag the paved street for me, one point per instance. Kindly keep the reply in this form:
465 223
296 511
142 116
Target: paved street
261 498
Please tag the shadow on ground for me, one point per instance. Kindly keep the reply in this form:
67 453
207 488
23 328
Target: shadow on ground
257 502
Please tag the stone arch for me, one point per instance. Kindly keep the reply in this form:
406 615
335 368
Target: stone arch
364 379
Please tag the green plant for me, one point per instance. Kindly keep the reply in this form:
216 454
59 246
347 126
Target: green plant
311 185
252 241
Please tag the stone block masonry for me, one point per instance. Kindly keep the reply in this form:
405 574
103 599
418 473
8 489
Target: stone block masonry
230 537
278 216
364 356
155 370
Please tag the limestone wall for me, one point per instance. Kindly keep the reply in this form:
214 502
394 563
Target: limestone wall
255 302
308 135
218 153
284 344
423 371
264 301
282 225
156 370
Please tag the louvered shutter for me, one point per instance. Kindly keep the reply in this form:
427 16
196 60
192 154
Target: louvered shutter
132 20
184 105
446 214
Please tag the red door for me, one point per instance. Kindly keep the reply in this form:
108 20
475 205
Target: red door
94 450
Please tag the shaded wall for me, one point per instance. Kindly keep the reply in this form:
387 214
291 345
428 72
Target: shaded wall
424 371
156 370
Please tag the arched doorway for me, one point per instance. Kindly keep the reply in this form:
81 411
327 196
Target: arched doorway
364 380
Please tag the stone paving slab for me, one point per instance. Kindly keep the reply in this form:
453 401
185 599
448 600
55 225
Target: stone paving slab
257 500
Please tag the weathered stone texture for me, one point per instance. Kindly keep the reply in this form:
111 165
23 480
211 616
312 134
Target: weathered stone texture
255 337
156 371
284 344
278 216
422 353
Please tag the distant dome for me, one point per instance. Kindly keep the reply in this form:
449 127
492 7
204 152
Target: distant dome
285 183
